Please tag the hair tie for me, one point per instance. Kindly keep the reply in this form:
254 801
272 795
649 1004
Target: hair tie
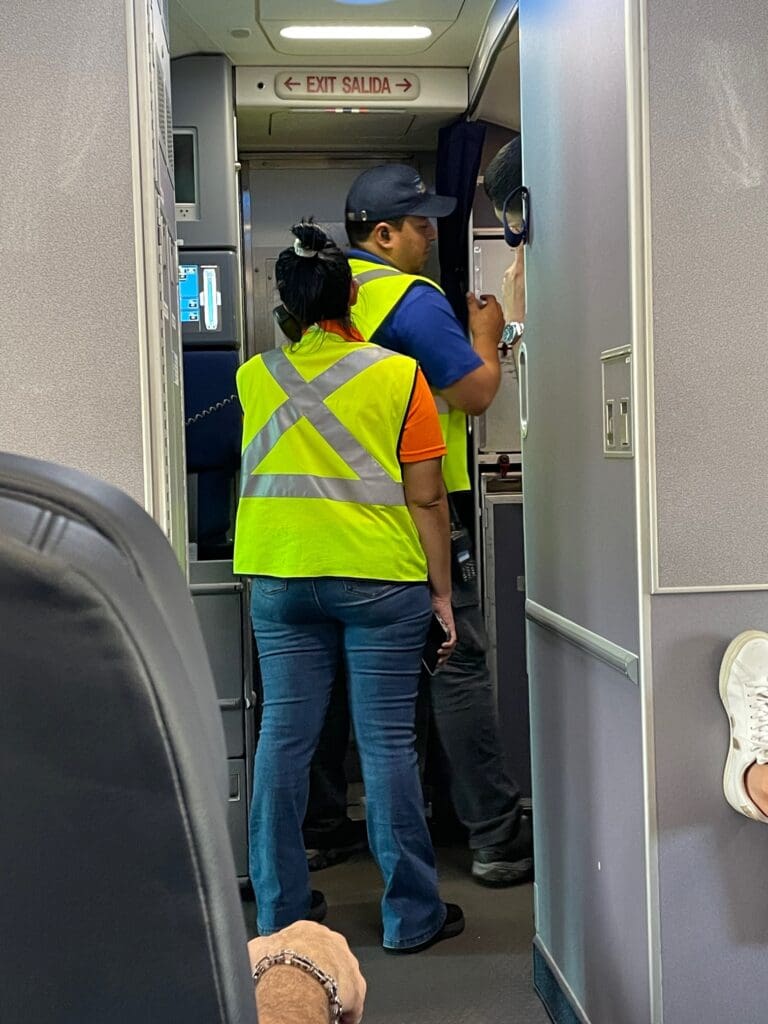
299 249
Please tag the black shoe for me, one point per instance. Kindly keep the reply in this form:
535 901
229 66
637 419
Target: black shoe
454 925
324 849
511 864
318 908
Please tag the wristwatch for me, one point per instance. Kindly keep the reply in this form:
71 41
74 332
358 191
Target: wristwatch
512 331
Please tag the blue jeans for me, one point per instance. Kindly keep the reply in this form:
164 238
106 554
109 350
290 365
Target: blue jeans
302 628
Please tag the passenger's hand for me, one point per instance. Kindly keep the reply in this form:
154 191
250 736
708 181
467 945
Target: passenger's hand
513 288
330 951
486 318
443 609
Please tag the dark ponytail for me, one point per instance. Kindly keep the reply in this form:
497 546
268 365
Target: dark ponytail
313 277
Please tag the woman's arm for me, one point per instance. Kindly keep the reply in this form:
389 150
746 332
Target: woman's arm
428 504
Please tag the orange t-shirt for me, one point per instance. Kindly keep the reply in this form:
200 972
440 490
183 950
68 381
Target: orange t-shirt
422 438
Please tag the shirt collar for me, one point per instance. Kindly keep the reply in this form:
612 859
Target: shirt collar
336 327
361 254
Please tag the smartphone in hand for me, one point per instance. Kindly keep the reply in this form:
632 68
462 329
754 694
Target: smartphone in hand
436 637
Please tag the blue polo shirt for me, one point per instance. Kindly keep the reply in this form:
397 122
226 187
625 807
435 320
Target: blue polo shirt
423 325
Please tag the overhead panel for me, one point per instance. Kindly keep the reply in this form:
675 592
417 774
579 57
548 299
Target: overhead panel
338 107
436 15
333 12
312 127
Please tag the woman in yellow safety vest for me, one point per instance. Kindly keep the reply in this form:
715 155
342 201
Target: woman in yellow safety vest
343 525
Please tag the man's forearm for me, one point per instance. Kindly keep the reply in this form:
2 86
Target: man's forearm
286 995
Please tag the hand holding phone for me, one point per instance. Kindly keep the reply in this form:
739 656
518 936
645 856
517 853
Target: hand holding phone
441 638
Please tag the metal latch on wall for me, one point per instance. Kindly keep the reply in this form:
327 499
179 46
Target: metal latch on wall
616 366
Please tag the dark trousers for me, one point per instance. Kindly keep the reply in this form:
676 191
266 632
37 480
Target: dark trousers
485 798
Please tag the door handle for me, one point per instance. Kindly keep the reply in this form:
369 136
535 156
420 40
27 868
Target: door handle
522 374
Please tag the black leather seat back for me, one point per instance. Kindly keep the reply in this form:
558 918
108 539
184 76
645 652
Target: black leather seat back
117 884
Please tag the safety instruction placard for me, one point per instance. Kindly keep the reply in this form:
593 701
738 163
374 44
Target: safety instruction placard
347 86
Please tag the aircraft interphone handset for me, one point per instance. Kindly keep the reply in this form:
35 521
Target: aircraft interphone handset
290 327
511 237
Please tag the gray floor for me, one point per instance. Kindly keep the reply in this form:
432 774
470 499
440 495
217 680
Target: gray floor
482 977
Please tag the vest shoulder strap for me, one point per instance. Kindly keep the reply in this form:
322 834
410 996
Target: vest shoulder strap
377 271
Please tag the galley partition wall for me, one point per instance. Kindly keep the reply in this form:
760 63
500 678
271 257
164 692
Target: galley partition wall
643 130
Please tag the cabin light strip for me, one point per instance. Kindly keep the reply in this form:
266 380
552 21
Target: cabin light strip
356 32
347 110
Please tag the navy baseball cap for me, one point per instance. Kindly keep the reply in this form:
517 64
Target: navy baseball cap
391 191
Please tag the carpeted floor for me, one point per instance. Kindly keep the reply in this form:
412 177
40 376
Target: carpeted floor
482 977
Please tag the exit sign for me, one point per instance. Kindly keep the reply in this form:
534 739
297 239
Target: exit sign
356 86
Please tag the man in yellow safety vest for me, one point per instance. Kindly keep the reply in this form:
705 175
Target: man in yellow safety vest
387 216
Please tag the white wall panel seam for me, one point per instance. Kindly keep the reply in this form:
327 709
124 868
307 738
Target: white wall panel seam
641 297
142 334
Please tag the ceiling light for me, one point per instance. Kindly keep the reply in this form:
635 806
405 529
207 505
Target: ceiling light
356 32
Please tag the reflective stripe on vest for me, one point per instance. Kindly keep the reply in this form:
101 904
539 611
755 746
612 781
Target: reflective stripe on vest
307 399
374 275
369 314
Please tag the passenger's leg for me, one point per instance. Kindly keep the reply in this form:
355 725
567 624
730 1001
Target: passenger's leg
385 631
487 801
756 781
329 834
327 806
298 646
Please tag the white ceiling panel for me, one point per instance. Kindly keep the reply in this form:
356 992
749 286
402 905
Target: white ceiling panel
436 15
339 11
260 98
242 31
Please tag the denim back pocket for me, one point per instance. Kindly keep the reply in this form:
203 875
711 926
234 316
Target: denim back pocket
270 584
371 588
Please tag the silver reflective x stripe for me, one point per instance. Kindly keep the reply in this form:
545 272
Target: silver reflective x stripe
373 275
443 408
307 399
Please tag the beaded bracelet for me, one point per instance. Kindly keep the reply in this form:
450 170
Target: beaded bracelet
292 959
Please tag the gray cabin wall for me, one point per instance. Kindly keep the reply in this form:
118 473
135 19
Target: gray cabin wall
69 340
708 105
581 554
708 93
580 548
712 861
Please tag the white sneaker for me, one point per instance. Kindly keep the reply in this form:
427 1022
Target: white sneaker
744 693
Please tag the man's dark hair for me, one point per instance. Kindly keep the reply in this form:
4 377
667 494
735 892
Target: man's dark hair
504 173
359 231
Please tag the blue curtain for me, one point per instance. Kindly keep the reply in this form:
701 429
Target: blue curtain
459 150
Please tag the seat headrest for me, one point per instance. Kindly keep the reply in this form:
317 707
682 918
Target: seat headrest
117 882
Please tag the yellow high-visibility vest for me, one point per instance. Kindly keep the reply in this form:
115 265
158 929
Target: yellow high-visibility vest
321 485
381 288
